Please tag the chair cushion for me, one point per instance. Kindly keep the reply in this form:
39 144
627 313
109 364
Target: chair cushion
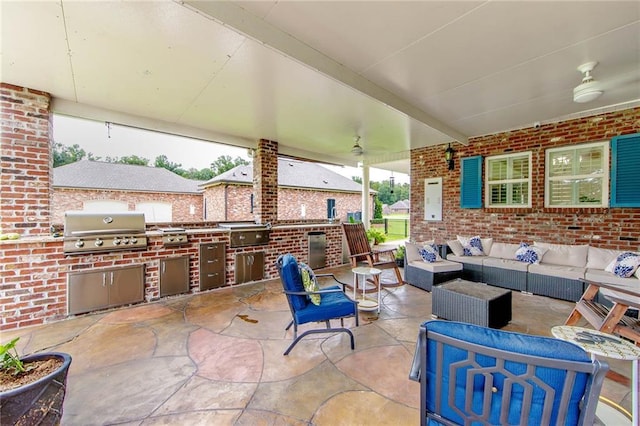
310 283
512 342
292 281
564 254
333 305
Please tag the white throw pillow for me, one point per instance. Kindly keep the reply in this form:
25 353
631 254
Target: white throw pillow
471 246
429 254
625 265
529 254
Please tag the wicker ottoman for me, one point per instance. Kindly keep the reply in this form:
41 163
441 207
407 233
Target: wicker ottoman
475 303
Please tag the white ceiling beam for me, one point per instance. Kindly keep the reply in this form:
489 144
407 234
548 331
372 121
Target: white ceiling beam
237 18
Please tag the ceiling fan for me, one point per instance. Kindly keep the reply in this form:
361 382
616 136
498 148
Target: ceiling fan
590 89
357 149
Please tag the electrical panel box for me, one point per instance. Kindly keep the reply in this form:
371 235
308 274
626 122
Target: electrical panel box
433 199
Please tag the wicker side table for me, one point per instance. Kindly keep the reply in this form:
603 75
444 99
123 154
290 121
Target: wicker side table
475 303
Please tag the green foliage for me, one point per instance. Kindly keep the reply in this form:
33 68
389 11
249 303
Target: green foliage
163 161
9 359
377 235
357 179
400 252
400 192
377 208
224 163
376 221
129 159
69 154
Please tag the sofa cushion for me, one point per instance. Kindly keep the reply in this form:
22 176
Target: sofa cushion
503 250
429 254
455 247
569 272
473 260
600 276
599 258
624 265
529 254
513 265
442 266
564 254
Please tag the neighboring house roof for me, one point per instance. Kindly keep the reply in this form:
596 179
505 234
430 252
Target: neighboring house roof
399 205
293 174
87 174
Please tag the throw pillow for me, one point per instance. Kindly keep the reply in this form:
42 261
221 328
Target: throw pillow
529 254
455 247
310 283
624 265
429 254
471 246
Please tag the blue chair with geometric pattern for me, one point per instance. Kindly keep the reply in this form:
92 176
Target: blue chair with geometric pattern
328 303
470 374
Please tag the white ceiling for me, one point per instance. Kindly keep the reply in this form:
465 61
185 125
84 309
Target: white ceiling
314 74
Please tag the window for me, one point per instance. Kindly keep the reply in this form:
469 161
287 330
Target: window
577 176
508 182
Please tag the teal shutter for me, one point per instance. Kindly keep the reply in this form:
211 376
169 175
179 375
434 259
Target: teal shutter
471 182
625 160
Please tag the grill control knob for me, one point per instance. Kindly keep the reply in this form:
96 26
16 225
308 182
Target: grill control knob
99 242
134 240
79 243
125 241
116 242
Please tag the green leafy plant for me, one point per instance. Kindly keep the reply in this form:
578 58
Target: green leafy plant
9 358
400 252
376 235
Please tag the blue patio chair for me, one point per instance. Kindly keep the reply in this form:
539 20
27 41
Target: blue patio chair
334 303
470 374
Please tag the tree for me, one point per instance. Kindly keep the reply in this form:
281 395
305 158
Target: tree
163 161
224 163
129 159
69 154
357 179
377 208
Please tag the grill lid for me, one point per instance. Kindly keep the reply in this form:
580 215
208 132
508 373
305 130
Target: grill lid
78 224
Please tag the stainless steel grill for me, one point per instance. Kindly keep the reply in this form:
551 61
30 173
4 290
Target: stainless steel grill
99 232
174 236
244 234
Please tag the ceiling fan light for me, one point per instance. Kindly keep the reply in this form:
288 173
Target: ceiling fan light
587 92
357 149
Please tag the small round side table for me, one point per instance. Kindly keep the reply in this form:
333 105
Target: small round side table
610 346
359 274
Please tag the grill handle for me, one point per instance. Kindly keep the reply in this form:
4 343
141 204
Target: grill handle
106 231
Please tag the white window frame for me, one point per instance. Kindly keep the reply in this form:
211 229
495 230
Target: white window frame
509 181
604 175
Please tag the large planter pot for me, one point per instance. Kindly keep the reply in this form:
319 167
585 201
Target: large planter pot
40 402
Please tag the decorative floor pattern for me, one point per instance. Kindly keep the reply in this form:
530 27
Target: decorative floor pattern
216 359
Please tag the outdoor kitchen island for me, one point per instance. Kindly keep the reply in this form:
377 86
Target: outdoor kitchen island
39 270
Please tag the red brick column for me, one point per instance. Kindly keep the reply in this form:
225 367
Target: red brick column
25 161
265 182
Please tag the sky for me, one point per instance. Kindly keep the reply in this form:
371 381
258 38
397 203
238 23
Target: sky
103 141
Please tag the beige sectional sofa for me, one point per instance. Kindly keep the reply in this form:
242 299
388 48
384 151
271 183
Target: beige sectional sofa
560 274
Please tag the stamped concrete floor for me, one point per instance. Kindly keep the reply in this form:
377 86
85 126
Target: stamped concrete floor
216 358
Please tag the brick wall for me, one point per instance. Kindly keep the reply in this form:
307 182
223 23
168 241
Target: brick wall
617 228
229 202
65 199
265 182
25 160
290 201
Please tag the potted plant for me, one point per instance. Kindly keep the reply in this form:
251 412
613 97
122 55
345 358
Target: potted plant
32 388
376 236
399 255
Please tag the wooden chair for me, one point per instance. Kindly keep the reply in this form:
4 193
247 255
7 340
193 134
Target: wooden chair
609 320
475 375
360 251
